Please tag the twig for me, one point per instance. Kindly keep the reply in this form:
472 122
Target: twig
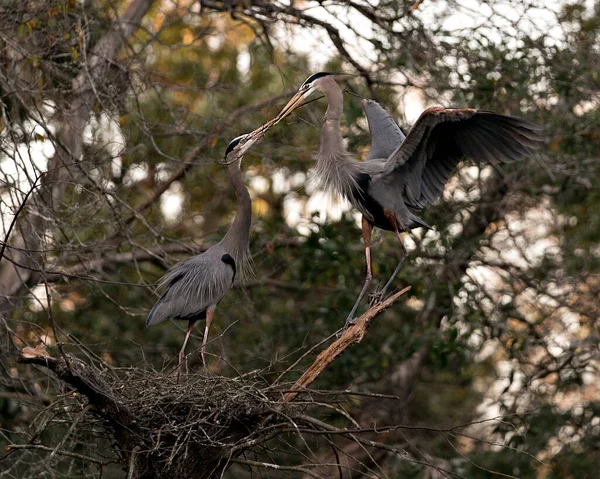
70 431
12 447
14 220
273 466
20 396
354 334
310 350
136 449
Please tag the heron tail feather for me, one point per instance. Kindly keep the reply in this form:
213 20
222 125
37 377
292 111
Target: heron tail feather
418 222
157 314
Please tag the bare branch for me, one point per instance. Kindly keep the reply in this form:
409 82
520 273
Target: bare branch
69 148
352 335
15 447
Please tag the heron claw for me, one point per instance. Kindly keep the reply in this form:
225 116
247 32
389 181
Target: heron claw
349 322
375 298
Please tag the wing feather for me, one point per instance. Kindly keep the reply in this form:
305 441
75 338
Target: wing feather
427 194
191 286
521 128
484 151
517 149
441 138
386 135
503 151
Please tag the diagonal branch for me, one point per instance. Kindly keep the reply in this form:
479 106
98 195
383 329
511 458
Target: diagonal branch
354 334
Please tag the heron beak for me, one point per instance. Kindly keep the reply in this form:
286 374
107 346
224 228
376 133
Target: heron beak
301 95
294 103
254 136
249 143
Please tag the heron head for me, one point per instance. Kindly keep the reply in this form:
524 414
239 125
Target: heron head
243 143
239 145
311 84
313 81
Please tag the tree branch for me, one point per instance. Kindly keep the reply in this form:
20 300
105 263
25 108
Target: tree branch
295 15
69 148
352 335
88 382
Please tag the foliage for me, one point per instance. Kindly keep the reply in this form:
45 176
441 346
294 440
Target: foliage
491 362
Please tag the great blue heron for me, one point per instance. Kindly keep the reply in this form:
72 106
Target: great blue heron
389 190
195 286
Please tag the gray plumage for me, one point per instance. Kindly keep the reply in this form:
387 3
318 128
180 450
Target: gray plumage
416 172
386 135
391 187
194 287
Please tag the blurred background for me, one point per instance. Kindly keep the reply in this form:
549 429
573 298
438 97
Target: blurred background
109 175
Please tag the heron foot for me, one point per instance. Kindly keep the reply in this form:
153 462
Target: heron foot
376 298
349 322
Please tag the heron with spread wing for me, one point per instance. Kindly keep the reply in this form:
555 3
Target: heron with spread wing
391 187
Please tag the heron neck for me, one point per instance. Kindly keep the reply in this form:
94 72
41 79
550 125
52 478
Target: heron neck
332 143
236 239
335 101
336 169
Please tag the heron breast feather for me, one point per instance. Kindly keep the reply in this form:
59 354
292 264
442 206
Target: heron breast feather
368 204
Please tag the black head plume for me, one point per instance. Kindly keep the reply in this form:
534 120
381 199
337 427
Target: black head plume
316 76
235 142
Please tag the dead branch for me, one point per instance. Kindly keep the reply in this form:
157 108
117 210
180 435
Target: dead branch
88 382
354 334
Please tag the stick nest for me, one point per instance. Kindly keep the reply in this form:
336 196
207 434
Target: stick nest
206 411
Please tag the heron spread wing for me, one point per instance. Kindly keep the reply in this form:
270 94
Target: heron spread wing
441 138
386 135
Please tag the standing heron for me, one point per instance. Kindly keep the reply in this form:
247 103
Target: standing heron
389 190
194 287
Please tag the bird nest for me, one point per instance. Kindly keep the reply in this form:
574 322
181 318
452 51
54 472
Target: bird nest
163 428
205 411
160 428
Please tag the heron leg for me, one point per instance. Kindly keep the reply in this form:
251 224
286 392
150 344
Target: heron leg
377 297
209 317
182 352
367 229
